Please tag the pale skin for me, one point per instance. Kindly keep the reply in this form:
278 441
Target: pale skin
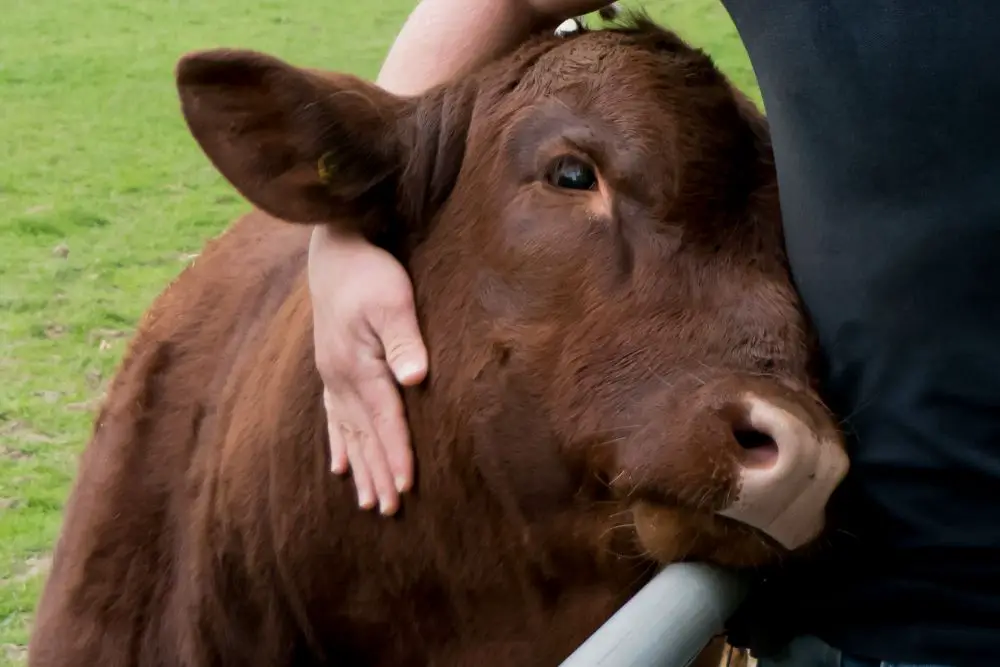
365 326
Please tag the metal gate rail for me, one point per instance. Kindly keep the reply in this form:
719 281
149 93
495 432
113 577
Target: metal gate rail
668 622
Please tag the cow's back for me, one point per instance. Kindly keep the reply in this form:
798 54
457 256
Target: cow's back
128 572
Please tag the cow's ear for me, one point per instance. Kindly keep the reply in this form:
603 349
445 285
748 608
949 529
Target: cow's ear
434 131
303 146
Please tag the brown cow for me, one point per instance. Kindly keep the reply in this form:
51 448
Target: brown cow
619 372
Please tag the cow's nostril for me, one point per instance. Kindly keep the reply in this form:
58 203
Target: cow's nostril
759 448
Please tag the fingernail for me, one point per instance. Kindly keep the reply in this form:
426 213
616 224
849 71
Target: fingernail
401 484
338 467
365 500
407 371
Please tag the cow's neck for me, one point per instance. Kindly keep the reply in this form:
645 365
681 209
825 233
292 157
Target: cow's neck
460 568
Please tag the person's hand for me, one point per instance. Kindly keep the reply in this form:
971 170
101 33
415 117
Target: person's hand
366 339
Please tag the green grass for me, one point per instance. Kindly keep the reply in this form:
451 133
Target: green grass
103 195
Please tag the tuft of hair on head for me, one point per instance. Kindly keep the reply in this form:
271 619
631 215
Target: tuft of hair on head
610 12
638 22
630 19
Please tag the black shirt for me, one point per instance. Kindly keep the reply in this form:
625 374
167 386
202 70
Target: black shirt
885 118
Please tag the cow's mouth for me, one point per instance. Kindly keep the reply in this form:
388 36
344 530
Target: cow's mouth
673 533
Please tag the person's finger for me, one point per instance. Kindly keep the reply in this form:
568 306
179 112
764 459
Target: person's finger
395 436
382 400
381 476
404 348
338 447
359 468
366 453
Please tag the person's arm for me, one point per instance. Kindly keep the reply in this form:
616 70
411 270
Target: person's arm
444 38
365 325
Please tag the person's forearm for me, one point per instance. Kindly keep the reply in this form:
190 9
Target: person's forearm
443 38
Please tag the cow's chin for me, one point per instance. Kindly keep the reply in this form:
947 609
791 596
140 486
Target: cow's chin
670 534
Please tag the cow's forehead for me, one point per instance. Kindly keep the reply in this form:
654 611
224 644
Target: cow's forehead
614 64
627 81
586 55
581 58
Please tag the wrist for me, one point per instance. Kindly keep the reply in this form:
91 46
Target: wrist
329 236
324 244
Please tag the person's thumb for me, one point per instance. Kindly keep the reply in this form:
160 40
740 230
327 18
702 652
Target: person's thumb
404 347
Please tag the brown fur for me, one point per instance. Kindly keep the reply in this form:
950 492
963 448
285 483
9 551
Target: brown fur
583 347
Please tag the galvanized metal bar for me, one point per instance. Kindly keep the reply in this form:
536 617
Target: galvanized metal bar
668 622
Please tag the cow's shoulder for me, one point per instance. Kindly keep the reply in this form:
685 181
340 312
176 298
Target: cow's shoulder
139 514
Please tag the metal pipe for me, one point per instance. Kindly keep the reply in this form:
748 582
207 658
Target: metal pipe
668 622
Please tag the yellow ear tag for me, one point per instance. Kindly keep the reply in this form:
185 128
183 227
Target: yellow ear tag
323 167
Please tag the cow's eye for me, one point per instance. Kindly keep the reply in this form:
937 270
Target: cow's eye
572 174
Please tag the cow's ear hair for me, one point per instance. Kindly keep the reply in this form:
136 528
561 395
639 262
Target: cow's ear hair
434 130
303 146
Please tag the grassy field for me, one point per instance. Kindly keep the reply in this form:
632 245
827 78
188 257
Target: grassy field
103 197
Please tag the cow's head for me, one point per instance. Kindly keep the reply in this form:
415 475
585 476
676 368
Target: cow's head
592 229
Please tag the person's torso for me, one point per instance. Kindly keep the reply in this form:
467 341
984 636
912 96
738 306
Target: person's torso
885 117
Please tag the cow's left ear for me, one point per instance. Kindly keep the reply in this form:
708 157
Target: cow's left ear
303 146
